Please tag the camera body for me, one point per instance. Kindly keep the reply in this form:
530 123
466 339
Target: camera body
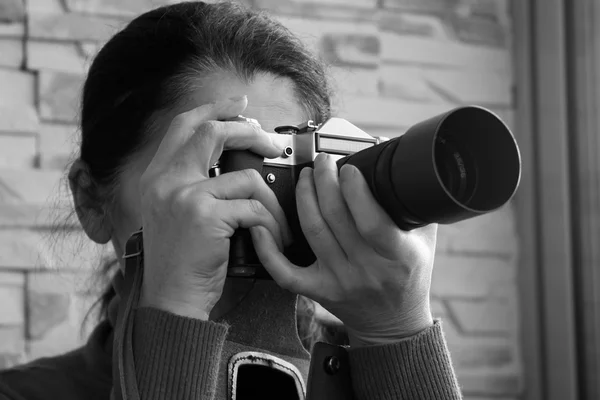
303 143
448 168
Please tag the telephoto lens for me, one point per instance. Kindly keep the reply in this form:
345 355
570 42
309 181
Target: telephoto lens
446 169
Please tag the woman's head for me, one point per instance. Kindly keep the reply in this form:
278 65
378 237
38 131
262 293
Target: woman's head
168 61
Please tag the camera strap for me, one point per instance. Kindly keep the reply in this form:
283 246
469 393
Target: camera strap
124 376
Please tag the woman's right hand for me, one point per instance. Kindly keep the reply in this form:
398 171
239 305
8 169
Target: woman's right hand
189 218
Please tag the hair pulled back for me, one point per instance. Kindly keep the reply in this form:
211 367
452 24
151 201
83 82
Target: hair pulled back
156 60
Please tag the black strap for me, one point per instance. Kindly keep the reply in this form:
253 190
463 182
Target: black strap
124 375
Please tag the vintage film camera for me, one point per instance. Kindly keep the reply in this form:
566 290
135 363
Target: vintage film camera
446 169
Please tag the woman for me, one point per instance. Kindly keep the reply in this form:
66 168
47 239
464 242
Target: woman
159 106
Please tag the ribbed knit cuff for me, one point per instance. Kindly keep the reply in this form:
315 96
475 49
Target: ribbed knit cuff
418 367
176 357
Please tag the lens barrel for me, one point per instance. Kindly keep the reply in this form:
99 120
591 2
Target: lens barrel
446 169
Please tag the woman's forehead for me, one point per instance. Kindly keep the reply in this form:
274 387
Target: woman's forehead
271 100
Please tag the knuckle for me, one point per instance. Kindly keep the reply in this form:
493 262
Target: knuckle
256 207
334 214
252 175
314 229
183 201
179 197
153 188
210 128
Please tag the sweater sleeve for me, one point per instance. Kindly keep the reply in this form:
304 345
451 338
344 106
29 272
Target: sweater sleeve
418 367
176 357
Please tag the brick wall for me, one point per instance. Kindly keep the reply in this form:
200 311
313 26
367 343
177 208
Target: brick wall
394 62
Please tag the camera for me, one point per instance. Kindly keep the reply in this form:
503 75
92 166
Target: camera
446 169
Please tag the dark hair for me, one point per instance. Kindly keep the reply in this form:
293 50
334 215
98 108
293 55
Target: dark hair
151 64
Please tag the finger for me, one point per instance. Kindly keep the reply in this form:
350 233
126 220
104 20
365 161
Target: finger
247 214
333 206
372 222
318 235
304 281
248 184
211 138
184 125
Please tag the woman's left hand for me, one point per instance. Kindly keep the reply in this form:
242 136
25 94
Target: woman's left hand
370 274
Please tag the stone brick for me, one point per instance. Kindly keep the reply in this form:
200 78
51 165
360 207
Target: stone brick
18 118
72 27
59 95
57 145
17 151
327 11
491 10
15 279
12 304
11 53
438 308
490 398
46 311
412 24
311 31
443 53
472 352
64 57
351 50
14 30
17 87
354 81
492 234
29 186
481 383
44 216
489 355
508 116
375 112
19 249
11 11
348 3
34 250
12 310
466 86
480 31
56 327
406 83
483 316
45 6
116 7
12 345
431 6
469 276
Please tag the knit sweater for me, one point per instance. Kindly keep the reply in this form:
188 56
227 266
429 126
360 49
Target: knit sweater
180 358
